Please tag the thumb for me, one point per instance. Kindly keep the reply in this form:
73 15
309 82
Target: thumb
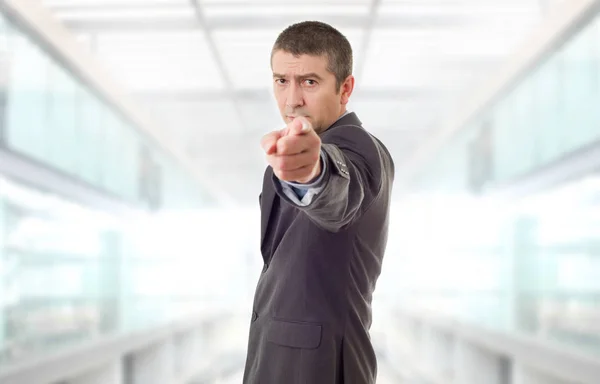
300 126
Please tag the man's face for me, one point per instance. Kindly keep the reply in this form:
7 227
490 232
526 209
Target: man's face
304 87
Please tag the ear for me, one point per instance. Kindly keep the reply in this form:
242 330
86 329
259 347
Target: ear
346 89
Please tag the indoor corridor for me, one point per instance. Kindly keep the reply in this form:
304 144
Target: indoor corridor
131 168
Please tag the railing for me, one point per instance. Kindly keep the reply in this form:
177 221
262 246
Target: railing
445 350
170 354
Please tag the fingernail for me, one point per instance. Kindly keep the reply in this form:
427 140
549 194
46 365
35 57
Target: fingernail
304 126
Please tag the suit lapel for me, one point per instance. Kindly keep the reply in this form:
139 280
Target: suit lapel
267 200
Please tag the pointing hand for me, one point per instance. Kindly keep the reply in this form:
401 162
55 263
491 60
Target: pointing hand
294 151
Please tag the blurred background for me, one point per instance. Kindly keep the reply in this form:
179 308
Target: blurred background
130 170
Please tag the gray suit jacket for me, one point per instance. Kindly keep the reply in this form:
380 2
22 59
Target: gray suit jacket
312 307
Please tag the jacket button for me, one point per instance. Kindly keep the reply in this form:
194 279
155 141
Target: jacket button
254 316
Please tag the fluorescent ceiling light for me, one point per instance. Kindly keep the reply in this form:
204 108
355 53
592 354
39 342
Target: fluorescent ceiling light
111 3
300 10
233 3
127 13
475 10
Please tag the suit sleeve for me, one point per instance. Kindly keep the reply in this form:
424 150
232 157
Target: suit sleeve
352 179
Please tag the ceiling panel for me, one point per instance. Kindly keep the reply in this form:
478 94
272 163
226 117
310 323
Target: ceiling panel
479 9
446 42
160 60
246 55
443 58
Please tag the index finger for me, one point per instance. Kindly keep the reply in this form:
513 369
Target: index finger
269 142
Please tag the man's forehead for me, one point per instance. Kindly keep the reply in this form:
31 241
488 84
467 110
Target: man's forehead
299 63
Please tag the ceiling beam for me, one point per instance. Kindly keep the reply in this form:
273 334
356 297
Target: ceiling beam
360 61
229 88
183 23
116 7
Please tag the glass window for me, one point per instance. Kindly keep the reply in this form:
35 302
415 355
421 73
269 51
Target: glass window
4 271
91 138
58 259
549 133
541 270
578 89
522 130
129 165
500 141
4 70
119 157
49 114
595 72
551 111
55 262
505 130
107 152
27 99
59 134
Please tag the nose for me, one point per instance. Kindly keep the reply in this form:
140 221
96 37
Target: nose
294 96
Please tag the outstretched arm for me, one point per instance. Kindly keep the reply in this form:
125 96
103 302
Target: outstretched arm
350 179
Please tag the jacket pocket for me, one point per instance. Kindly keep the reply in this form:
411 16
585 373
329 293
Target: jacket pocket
294 334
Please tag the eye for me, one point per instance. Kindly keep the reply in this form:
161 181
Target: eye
280 81
310 82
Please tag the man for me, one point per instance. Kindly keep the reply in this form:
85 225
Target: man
324 206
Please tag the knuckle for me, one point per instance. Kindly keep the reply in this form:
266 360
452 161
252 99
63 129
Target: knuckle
283 163
282 146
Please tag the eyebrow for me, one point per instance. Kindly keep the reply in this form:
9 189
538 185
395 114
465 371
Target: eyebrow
300 77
